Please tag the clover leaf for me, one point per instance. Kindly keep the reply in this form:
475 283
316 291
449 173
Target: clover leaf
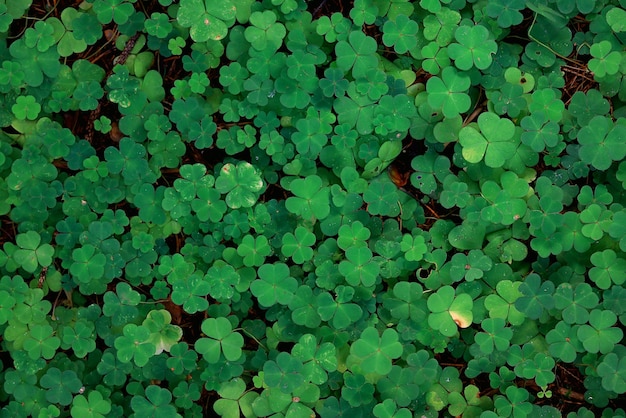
539 132
400 33
41 342
608 269
31 254
190 292
60 385
265 32
604 62
600 335
206 19
285 373
91 406
338 311
600 142
474 48
135 345
311 200
359 268
506 12
611 370
496 336
156 403
242 184
448 311
374 352
220 340
494 142
274 285
358 54
234 399
563 342
537 296
298 246
449 93
254 250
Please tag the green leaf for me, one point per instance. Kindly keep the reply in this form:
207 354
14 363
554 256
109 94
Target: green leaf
155 404
357 54
60 385
374 352
135 345
600 335
359 268
275 285
31 254
537 296
604 62
298 246
449 93
41 342
339 312
221 340
113 10
311 200
616 18
601 142
92 406
206 19
264 32
449 311
284 374
242 184
474 48
496 336
400 33
612 371
506 12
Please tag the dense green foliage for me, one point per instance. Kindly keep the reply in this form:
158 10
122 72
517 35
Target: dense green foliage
197 215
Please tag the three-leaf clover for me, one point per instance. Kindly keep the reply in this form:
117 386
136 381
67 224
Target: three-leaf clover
400 33
449 92
311 200
31 254
207 20
220 340
494 140
474 48
601 142
298 245
135 344
449 310
274 285
156 403
373 352
358 54
91 406
600 335
242 184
